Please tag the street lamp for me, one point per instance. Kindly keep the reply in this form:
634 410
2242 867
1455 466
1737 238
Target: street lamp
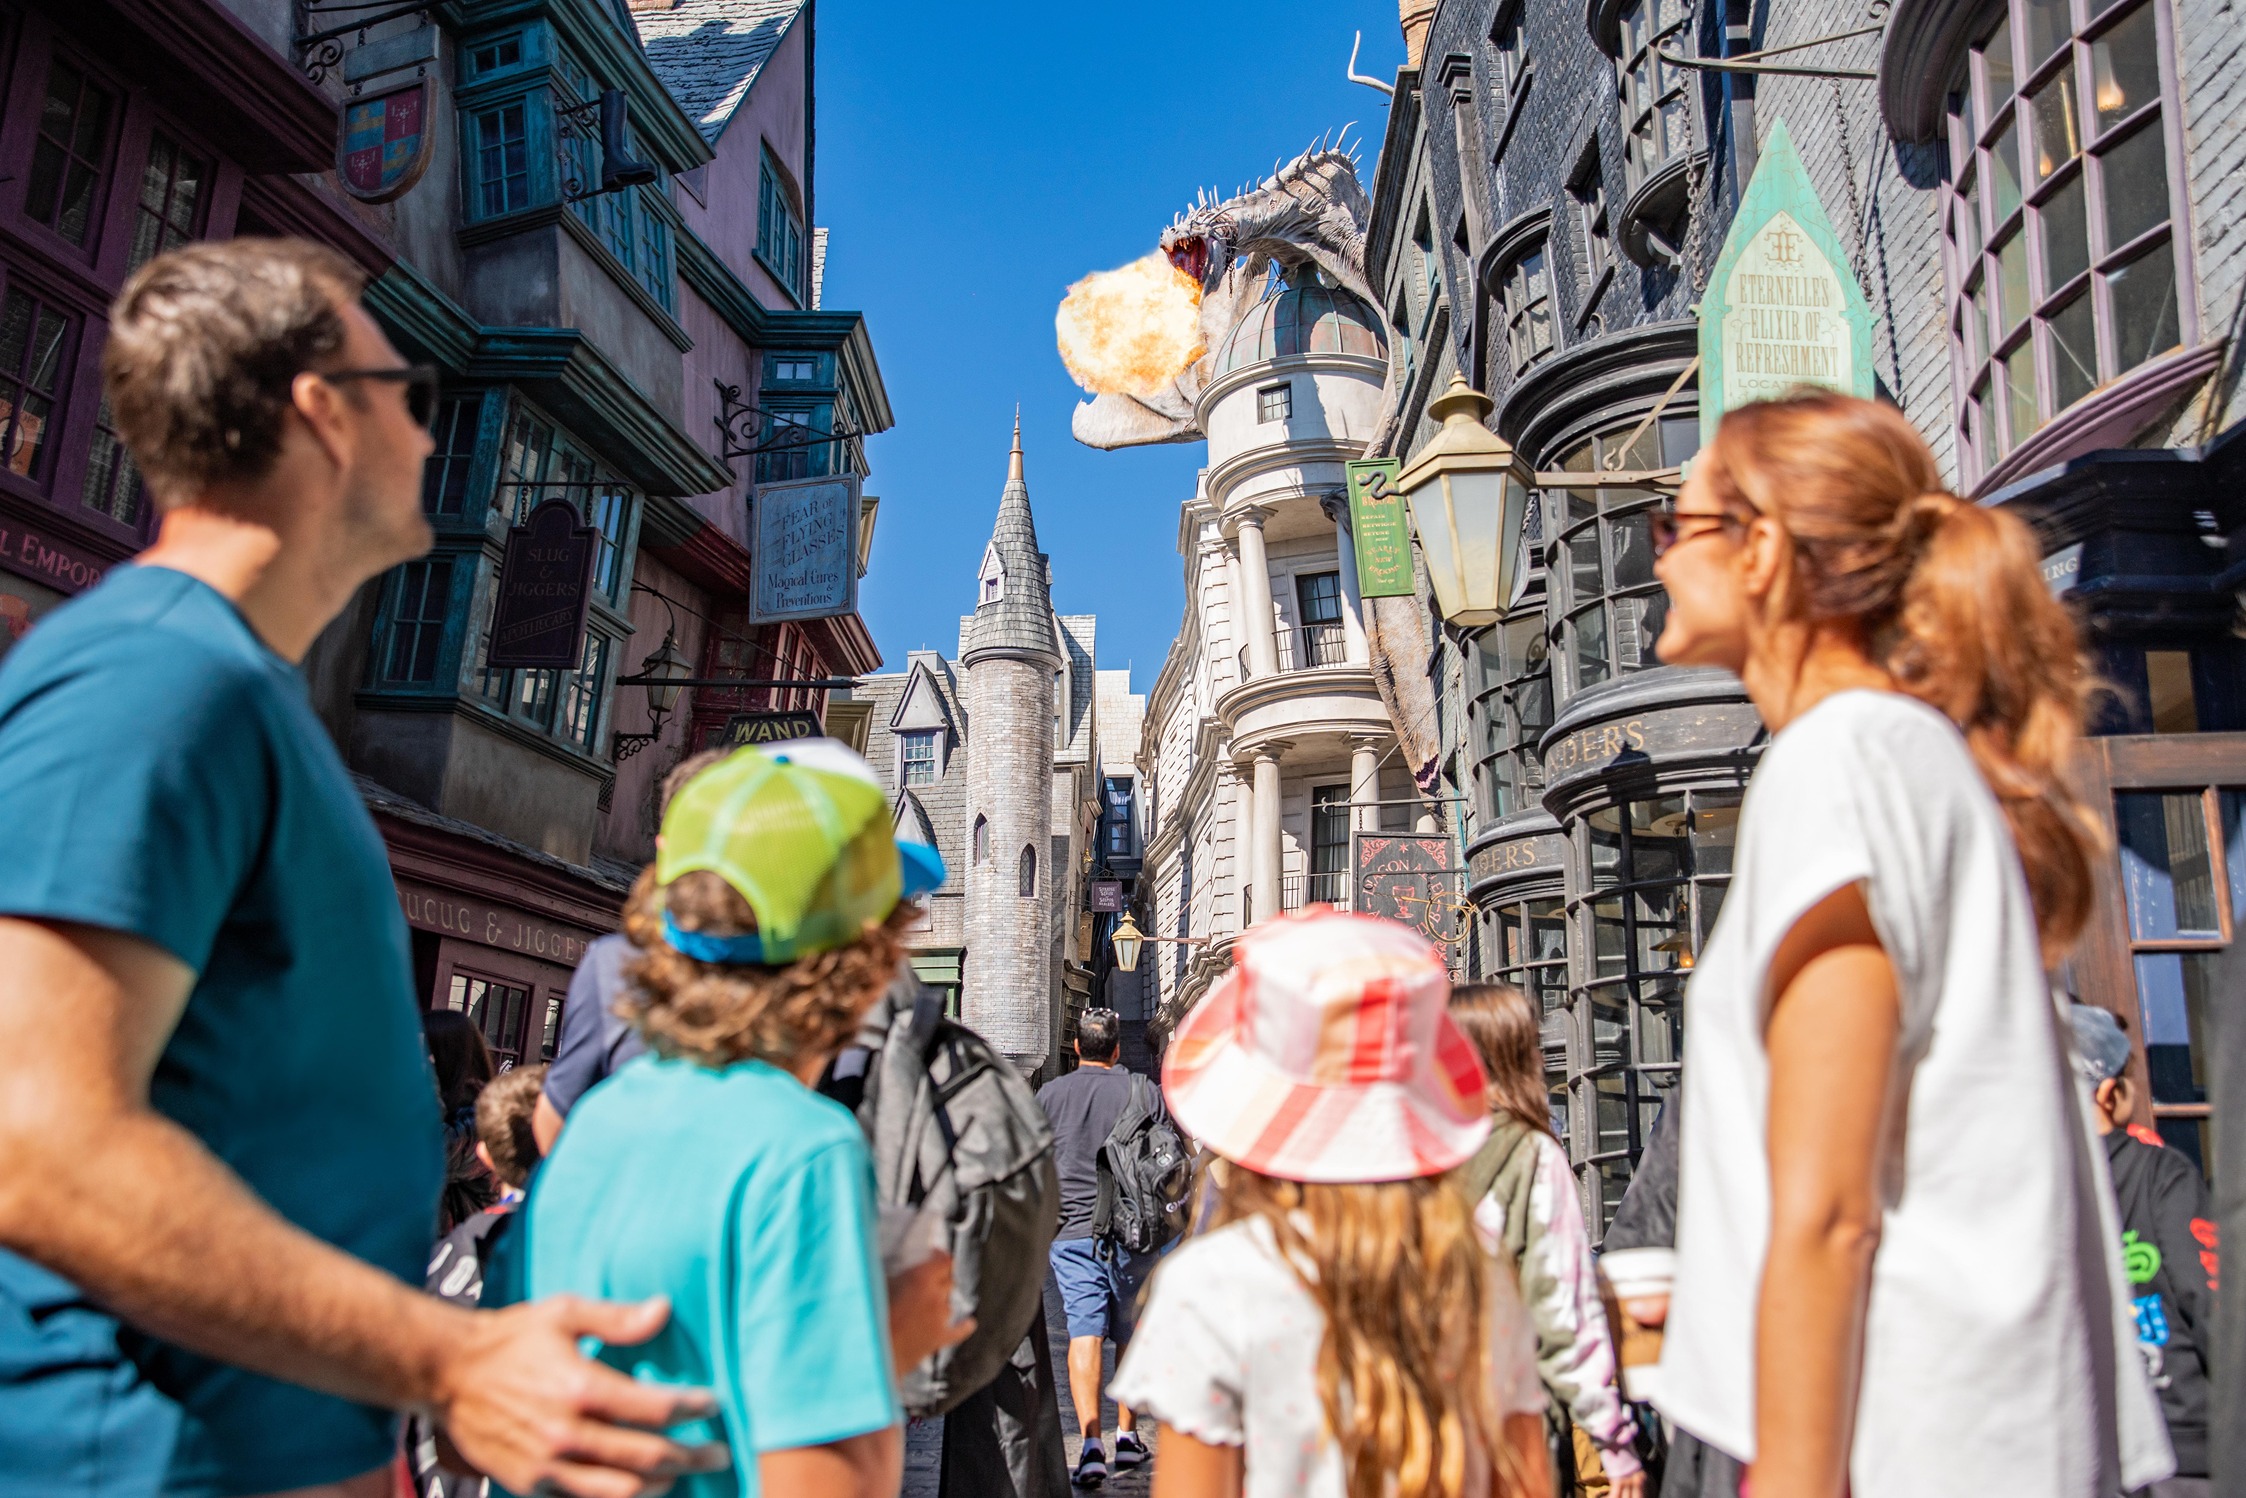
1130 941
664 674
1468 491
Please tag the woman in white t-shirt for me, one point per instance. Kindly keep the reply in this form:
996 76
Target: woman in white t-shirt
1339 1330
1897 1272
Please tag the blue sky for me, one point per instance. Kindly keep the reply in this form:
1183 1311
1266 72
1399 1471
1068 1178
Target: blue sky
973 160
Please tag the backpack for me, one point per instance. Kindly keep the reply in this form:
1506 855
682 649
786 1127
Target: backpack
952 1125
1146 1175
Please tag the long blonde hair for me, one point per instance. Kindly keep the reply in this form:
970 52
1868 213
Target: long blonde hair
1951 598
1403 1369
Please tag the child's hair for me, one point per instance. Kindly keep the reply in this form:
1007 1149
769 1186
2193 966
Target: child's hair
1397 1269
720 1013
503 1122
1503 1025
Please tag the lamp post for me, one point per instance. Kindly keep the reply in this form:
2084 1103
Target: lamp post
1130 941
1468 492
664 674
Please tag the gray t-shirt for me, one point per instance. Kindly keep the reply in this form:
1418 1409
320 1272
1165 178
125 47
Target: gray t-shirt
1082 1106
594 1042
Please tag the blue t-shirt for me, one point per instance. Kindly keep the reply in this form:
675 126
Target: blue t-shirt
166 776
748 1199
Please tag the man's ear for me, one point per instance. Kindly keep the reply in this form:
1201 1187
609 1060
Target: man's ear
2108 1096
321 406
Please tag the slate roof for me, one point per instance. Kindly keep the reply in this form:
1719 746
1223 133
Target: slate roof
1021 619
709 52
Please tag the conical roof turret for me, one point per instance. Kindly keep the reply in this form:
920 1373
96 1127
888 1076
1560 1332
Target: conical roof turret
1015 618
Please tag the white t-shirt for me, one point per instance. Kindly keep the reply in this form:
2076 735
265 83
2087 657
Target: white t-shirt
1227 1352
1996 1356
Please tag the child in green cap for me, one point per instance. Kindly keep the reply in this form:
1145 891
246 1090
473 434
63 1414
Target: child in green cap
710 1172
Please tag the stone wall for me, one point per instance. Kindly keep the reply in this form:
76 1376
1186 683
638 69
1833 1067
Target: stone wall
1007 991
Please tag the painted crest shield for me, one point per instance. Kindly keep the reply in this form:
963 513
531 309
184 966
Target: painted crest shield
385 143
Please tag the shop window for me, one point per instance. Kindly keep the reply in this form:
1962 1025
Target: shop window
1511 708
1329 846
112 484
444 479
497 1009
502 159
70 158
917 754
779 231
171 197
1526 296
2059 214
2183 878
1027 880
1612 609
34 339
1525 943
418 613
1325 640
1657 871
1275 402
538 462
1655 95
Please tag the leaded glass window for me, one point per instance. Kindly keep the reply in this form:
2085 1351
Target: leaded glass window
70 157
1512 707
1611 608
1655 94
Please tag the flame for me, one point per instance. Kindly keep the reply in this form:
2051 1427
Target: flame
1131 331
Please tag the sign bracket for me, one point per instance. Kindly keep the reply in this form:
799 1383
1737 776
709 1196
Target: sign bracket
318 52
737 421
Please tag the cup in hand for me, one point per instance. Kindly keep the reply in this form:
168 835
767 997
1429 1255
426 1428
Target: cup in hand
1637 1283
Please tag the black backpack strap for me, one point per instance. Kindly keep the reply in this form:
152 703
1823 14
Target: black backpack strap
1103 1215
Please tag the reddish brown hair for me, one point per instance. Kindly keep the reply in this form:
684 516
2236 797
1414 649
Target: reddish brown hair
1951 599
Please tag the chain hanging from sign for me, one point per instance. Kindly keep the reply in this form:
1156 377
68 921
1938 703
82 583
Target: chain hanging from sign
320 48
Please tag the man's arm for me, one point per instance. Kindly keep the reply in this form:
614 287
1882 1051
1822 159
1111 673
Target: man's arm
867 1466
129 1206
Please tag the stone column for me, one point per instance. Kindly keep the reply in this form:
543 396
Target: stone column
1263 845
1354 651
1364 783
1234 785
1237 609
1255 594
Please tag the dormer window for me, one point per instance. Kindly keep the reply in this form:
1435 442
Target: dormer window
992 584
917 756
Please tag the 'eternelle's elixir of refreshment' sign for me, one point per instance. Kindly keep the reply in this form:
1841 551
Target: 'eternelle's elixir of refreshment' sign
1381 529
1782 309
806 549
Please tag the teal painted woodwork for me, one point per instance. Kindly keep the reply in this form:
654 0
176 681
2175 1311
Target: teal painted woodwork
1782 308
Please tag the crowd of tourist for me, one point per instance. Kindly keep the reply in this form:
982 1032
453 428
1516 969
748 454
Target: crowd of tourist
256 1209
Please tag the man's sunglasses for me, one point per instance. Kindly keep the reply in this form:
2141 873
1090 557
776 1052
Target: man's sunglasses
420 381
1670 530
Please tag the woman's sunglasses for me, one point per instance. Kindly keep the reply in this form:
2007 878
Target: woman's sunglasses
419 380
1671 530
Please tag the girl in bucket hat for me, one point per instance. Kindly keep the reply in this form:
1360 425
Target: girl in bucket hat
1337 1329
710 1171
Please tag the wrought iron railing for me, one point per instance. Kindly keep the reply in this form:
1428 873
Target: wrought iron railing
1305 649
1298 890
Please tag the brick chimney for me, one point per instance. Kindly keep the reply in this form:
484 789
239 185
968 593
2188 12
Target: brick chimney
1416 15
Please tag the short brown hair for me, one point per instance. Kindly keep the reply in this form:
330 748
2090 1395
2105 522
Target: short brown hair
503 1121
719 1013
204 344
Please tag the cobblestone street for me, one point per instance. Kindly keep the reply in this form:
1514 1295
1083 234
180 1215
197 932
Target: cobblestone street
924 1439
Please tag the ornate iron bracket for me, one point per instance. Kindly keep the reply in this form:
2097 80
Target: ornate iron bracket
600 121
320 52
738 423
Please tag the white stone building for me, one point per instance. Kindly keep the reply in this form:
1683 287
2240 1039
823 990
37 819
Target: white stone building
1266 743
995 758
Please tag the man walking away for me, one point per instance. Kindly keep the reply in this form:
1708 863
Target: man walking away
1099 1281
223 1154
2167 1249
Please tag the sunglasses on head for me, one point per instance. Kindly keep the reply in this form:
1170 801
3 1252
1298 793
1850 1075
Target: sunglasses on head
419 380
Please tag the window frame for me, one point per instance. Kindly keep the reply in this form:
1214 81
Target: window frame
910 740
1538 971
87 249
1975 237
1282 408
1523 294
1576 517
1502 730
780 216
1647 89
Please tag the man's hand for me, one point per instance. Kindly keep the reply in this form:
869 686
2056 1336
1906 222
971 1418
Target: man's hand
519 1403
920 1312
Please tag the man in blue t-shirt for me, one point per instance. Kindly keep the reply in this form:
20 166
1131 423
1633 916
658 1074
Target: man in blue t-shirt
219 1120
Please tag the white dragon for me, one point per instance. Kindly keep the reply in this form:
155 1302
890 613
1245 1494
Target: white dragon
1309 215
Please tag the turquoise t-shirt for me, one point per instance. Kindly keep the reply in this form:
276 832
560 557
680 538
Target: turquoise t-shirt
748 1199
166 776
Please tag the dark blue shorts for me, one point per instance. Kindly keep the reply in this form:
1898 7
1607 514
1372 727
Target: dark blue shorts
1099 1287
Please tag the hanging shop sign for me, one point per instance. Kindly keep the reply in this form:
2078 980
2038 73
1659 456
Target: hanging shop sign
545 582
1412 880
772 728
1381 528
386 142
806 549
1107 896
1782 308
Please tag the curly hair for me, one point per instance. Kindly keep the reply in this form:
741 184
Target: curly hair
720 1013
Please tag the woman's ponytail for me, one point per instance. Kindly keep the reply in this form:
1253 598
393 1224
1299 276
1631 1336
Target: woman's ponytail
1951 598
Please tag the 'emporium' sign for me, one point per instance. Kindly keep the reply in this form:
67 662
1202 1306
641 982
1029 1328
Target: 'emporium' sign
806 549
1380 528
1782 309
545 581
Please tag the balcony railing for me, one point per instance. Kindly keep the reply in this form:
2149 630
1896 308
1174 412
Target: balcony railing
1298 890
1305 649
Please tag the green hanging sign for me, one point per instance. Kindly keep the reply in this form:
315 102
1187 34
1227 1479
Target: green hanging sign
1380 528
1782 309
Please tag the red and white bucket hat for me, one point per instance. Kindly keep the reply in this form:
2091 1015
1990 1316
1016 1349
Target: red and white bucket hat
1327 1054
